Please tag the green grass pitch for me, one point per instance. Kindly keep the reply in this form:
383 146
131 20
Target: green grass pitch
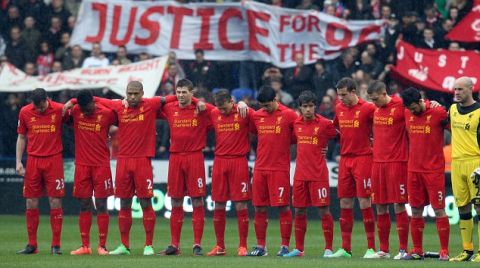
13 237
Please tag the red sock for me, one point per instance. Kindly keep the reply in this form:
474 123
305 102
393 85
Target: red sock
383 228
417 225
261 222
32 220
219 220
243 222
198 222
149 225
443 229
369 226
103 220
124 224
346 226
176 222
286 227
402 229
85 223
56 219
300 230
327 226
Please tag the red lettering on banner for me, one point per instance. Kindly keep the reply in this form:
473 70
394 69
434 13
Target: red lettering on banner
150 25
96 71
298 24
102 15
312 51
315 22
330 35
255 29
179 13
117 14
367 31
222 29
284 21
296 50
283 48
204 43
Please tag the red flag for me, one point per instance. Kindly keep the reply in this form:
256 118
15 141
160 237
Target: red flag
468 29
435 69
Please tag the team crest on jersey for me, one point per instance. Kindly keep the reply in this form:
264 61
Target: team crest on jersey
341 114
262 120
392 111
141 109
53 117
357 114
194 123
219 118
470 116
428 118
175 114
299 130
99 118
279 119
235 117
315 130
33 119
411 118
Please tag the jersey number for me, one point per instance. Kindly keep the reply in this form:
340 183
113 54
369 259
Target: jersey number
367 183
322 193
244 187
60 184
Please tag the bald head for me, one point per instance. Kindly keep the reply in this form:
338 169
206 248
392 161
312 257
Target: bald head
135 84
134 93
463 89
464 81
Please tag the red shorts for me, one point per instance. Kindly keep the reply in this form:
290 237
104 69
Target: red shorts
186 175
44 173
426 188
134 176
311 193
389 183
354 178
230 179
92 179
271 188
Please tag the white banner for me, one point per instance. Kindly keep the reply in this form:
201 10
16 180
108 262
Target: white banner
229 31
115 78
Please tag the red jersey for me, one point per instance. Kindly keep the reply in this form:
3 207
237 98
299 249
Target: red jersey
188 128
231 133
425 133
43 130
355 126
91 136
312 136
136 126
274 132
389 133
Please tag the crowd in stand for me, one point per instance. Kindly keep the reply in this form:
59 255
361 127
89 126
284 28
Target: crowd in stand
35 37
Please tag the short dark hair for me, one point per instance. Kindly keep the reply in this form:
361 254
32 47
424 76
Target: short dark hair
306 97
222 96
348 83
266 94
377 87
84 98
185 83
410 95
199 51
39 95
